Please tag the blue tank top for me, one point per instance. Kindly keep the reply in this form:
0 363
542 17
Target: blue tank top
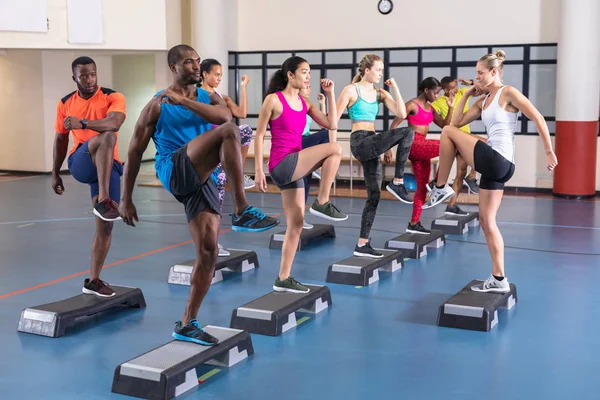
363 110
175 127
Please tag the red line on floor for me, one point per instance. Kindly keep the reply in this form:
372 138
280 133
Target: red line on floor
64 278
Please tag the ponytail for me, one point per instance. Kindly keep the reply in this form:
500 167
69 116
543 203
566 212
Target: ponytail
279 79
277 83
357 78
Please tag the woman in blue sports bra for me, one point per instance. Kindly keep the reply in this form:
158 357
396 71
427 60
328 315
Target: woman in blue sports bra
362 99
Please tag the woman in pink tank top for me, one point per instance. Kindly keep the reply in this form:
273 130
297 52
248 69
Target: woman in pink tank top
420 115
284 110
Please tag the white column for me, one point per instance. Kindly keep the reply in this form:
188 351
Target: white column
577 98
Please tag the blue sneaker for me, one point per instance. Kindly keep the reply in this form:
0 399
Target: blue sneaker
252 220
192 332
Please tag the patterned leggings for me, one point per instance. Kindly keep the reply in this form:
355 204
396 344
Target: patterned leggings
421 153
246 138
367 147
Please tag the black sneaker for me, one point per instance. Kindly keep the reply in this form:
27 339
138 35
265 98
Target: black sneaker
455 210
399 192
472 185
252 220
192 332
366 251
107 210
97 287
417 228
289 285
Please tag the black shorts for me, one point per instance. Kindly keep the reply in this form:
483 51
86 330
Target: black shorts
189 190
495 170
282 173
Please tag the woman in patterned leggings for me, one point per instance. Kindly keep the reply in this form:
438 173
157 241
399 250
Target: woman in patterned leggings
420 115
212 72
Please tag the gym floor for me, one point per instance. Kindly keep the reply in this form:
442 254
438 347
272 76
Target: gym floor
378 342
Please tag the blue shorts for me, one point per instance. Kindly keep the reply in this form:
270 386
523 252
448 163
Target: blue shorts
83 170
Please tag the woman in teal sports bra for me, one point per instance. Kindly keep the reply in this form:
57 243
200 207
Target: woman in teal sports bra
362 99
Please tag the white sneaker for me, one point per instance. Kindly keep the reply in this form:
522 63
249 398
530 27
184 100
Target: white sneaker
316 174
307 225
248 182
223 252
492 284
438 195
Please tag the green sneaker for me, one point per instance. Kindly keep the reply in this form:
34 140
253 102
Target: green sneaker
289 285
328 211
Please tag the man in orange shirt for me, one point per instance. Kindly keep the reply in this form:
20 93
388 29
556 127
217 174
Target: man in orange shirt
93 115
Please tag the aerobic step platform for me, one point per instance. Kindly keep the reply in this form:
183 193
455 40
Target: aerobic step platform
239 261
475 310
53 319
275 312
319 231
170 370
415 245
364 271
456 224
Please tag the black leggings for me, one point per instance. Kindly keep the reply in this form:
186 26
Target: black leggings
367 147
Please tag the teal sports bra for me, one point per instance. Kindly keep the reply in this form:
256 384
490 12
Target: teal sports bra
363 110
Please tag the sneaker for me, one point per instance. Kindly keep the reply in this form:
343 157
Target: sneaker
472 185
289 285
223 252
316 174
437 196
417 228
306 225
455 210
248 182
107 210
192 332
399 192
253 220
430 185
492 284
328 211
366 251
97 287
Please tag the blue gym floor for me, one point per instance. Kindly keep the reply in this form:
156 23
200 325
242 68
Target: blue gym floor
378 342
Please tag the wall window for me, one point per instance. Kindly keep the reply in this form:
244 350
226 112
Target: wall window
529 68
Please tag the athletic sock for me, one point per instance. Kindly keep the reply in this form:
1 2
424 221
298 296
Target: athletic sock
499 278
398 183
439 187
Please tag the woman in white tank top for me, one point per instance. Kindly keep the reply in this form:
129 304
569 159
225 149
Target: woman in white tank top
493 158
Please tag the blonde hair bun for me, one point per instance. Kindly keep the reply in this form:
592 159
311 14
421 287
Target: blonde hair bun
500 54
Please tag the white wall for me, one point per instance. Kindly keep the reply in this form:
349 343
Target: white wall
21 111
128 24
135 77
331 24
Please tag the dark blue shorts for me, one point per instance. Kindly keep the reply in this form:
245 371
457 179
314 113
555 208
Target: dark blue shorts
83 170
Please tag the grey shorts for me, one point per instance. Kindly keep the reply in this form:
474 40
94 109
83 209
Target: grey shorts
283 172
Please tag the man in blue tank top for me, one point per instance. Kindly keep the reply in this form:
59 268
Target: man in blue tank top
179 120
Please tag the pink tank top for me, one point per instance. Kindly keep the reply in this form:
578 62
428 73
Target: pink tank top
422 118
286 131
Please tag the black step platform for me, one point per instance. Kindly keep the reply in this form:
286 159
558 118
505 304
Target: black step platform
275 312
53 319
363 271
456 224
317 232
415 245
170 370
239 261
475 310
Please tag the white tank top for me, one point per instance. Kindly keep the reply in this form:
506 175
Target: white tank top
500 126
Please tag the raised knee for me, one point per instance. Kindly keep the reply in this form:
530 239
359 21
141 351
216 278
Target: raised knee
336 149
108 137
105 228
231 131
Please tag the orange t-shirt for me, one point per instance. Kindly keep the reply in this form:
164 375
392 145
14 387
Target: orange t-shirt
97 107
